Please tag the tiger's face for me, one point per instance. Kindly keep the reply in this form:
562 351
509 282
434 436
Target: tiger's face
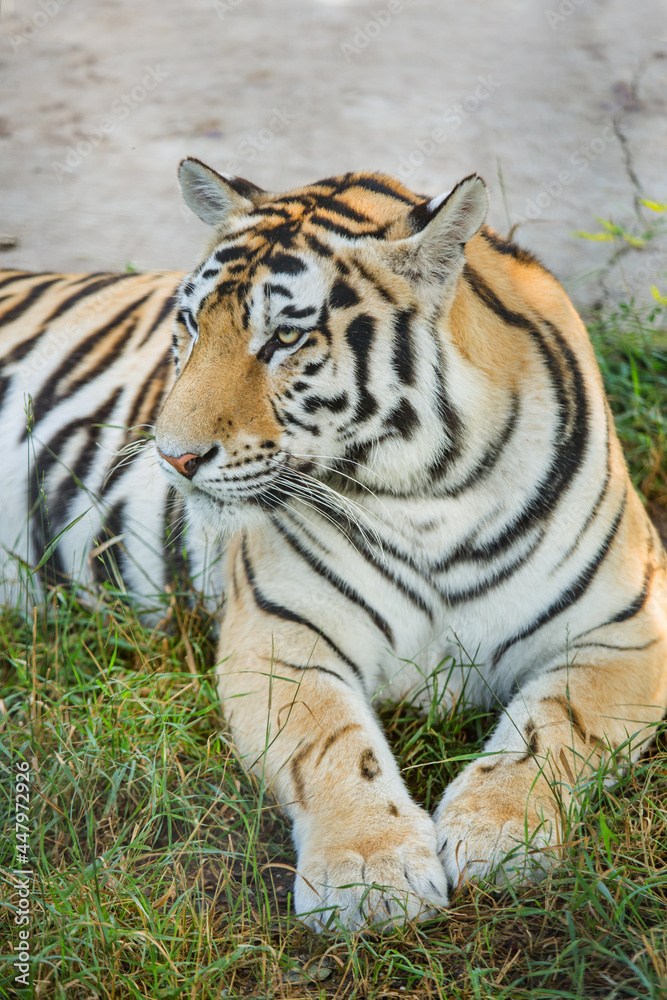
304 342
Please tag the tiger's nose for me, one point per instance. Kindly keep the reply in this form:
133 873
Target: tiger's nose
187 465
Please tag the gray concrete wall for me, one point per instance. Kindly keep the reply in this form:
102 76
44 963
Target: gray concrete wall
565 99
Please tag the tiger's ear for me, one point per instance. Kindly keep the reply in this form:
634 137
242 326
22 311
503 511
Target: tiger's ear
441 227
212 196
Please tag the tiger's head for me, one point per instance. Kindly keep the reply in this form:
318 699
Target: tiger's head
306 342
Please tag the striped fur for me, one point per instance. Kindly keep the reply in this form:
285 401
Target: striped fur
394 421
87 356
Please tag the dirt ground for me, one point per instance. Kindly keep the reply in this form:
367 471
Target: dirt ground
559 104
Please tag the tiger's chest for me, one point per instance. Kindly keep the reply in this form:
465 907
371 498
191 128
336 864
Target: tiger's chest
413 589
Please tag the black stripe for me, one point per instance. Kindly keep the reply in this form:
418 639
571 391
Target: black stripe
29 299
314 366
333 737
186 318
594 509
223 289
177 563
283 234
293 313
509 248
94 425
83 293
22 276
571 432
288 418
274 289
359 335
165 309
379 288
572 715
244 187
341 208
372 184
350 531
492 455
297 777
54 518
340 230
245 314
335 404
283 263
635 606
421 214
90 275
322 323
342 295
482 587
403 358
162 367
403 420
279 417
225 254
5 381
48 394
20 351
302 200
449 418
273 210
318 566
320 248
310 535
63 306
106 565
611 645
242 289
247 477
108 358
279 611
569 596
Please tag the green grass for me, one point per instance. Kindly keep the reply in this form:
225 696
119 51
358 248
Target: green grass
163 870
632 353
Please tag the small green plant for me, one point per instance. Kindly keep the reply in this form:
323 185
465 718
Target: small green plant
638 236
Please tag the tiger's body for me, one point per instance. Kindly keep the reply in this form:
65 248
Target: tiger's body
396 422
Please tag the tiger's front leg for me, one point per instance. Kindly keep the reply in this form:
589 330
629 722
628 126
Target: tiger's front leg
505 814
301 719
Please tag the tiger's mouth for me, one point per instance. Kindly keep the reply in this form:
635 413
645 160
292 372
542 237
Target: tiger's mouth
310 486
279 480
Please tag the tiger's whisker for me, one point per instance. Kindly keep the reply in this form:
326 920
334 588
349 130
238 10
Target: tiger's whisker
341 499
368 532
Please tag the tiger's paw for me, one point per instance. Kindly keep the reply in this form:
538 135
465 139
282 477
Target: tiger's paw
362 882
487 832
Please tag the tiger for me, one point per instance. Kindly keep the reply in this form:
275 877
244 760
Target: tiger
386 430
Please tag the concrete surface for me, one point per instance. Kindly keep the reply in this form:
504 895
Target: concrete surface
565 98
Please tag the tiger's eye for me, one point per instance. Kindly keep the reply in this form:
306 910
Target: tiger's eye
288 336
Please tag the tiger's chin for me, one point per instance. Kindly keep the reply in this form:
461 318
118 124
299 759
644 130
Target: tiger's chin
222 519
